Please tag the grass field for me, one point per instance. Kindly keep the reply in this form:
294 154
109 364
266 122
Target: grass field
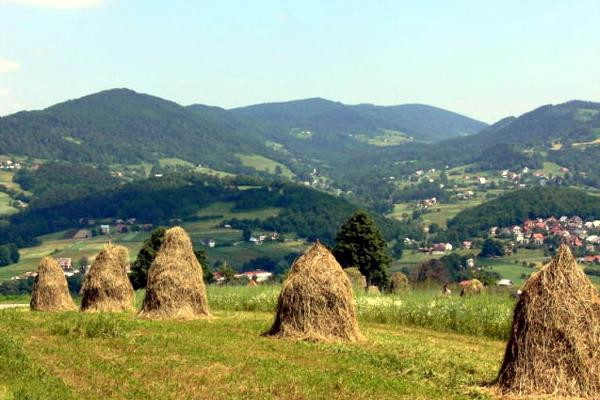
261 163
440 213
5 207
41 357
227 357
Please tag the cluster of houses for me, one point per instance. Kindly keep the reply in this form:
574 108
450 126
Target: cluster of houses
260 239
119 226
9 165
573 230
65 263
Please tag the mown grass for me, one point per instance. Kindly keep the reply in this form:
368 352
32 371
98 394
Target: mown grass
116 356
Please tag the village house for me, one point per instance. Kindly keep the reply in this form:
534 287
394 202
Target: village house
65 263
538 238
467 244
209 243
121 228
105 229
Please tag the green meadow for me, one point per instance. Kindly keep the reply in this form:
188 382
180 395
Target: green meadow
417 346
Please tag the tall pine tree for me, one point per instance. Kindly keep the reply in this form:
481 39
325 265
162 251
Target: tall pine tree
359 243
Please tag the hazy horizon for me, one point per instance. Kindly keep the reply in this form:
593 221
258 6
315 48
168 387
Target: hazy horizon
484 60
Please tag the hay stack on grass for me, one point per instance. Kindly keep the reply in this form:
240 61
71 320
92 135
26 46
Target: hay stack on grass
357 279
554 347
106 286
472 287
50 290
373 290
399 282
175 287
316 301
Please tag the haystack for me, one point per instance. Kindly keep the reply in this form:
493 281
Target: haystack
106 286
357 279
471 287
316 301
554 347
399 282
175 287
50 291
373 290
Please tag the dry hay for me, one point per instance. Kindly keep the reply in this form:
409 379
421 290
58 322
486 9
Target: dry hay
373 290
175 285
50 290
474 286
399 282
554 347
106 286
316 301
357 279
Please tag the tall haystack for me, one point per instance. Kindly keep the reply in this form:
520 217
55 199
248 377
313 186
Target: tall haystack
175 287
554 347
316 301
106 286
50 291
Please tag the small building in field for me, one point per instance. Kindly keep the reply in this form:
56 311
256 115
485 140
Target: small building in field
83 234
105 229
505 282
538 238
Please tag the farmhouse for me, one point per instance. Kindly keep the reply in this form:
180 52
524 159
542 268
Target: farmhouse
65 263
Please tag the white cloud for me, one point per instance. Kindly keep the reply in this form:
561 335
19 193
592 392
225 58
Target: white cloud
4 92
65 4
7 66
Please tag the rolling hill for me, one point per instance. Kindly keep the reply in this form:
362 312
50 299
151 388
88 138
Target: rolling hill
122 126
324 117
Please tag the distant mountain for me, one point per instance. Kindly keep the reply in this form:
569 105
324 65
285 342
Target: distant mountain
122 126
542 134
324 117
571 122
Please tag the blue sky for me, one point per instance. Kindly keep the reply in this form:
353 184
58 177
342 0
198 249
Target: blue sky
485 59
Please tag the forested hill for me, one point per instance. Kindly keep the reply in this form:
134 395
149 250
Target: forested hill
324 117
122 126
518 206
178 197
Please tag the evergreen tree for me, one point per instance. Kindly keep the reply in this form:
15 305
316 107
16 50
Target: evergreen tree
139 268
147 254
359 243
